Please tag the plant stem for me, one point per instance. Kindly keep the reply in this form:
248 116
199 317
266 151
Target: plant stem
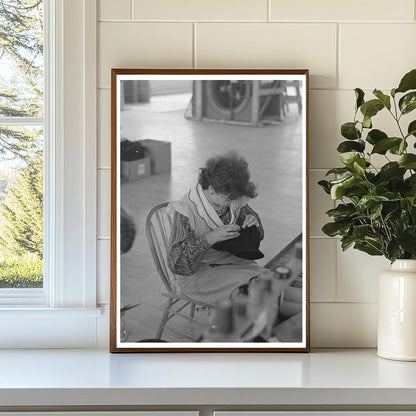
397 119
387 231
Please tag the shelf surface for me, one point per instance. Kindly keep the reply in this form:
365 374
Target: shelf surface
96 377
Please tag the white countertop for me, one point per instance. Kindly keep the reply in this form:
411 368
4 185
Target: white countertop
96 377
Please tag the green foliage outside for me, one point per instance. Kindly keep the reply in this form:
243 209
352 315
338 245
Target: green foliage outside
21 213
376 210
21 271
21 95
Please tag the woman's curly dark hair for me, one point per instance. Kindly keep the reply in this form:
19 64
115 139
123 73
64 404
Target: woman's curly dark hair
228 174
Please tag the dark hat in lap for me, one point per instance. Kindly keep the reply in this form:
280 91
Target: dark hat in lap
245 246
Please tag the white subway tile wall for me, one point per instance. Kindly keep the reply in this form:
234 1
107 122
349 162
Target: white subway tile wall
323 269
200 10
357 275
104 202
103 270
338 325
345 44
270 45
114 10
319 203
352 10
328 109
104 128
145 45
374 46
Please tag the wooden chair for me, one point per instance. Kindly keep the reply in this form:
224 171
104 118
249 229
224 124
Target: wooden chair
158 228
296 98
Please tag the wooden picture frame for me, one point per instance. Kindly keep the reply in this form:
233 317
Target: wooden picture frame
165 125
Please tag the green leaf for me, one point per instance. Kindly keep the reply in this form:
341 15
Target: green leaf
367 122
338 189
359 165
393 92
391 170
412 202
342 211
383 145
349 131
411 180
391 212
341 179
368 248
408 82
349 146
408 161
375 135
338 171
371 108
375 211
398 149
411 130
336 228
411 184
348 158
407 239
393 250
385 99
408 102
374 242
359 95
368 201
361 231
325 186
346 242
393 196
413 211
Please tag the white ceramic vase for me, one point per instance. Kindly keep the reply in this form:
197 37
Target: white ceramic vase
397 312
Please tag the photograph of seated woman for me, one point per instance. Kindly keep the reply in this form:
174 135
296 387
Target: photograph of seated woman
212 214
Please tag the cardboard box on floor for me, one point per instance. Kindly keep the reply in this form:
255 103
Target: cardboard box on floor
135 169
159 153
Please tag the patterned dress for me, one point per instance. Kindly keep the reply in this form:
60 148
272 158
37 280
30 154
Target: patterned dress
203 273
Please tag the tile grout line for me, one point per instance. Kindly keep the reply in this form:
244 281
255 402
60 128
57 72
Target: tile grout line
194 63
131 9
350 302
336 271
269 11
306 22
322 237
338 63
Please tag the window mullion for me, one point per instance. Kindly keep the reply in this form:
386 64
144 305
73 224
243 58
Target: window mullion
22 121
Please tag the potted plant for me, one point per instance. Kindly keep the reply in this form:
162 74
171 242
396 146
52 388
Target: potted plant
376 206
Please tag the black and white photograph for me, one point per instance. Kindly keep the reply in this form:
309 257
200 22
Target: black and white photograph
209 241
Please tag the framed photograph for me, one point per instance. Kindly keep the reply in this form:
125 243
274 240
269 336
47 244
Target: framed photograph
209 211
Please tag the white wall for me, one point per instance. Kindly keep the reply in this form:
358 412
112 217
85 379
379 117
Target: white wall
345 44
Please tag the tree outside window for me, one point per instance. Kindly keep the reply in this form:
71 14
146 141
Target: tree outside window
21 143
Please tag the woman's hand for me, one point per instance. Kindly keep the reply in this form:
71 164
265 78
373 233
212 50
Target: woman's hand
225 232
250 220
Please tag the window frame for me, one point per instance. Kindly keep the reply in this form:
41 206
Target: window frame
38 296
65 314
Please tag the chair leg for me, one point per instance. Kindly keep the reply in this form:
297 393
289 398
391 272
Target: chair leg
164 318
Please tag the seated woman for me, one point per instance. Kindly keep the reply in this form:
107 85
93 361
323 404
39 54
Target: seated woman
213 211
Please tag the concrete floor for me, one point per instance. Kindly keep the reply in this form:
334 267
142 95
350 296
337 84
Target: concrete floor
274 156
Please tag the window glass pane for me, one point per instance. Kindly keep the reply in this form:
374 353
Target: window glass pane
21 212
21 146
21 58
